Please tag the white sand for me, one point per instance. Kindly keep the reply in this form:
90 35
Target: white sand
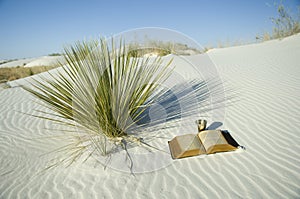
31 62
264 117
17 63
45 61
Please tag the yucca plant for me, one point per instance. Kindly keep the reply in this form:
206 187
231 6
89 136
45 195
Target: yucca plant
102 91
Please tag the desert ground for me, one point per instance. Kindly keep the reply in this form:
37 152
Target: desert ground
263 116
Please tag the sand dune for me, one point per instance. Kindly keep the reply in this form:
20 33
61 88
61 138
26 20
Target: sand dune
264 117
16 63
31 62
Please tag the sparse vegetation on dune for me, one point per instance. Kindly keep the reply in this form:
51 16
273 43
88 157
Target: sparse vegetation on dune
284 25
13 73
161 48
6 61
147 51
54 54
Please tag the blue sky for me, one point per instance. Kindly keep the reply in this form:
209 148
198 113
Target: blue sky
31 28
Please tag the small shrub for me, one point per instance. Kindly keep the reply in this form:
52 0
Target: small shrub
54 54
30 72
13 77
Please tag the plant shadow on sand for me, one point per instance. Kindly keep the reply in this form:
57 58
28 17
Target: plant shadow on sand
169 106
180 105
177 108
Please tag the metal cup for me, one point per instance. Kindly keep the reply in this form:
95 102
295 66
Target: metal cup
201 125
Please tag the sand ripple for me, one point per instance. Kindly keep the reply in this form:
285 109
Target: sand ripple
264 118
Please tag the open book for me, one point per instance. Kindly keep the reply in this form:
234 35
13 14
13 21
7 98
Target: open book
205 142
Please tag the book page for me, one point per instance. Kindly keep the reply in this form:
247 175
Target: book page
211 138
186 145
190 142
